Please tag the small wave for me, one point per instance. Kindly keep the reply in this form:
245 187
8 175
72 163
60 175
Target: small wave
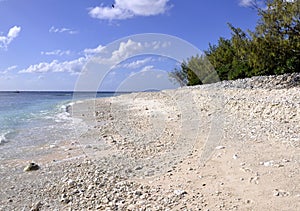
67 107
62 117
3 138
64 113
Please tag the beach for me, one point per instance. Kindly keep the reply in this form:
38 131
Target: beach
224 146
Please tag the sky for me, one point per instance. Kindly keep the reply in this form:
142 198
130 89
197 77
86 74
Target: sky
64 45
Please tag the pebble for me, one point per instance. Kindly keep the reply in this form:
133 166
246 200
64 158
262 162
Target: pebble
71 182
267 163
180 192
281 193
51 146
37 206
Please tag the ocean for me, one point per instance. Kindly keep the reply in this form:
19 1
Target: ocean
35 118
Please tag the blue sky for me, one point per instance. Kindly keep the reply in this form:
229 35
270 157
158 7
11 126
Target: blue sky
45 45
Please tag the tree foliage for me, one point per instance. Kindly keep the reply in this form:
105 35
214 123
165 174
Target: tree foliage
196 70
272 48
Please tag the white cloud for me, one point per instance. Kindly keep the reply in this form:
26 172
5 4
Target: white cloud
124 9
137 64
8 69
157 44
91 51
147 68
72 67
56 53
62 30
11 35
259 3
123 51
75 66
126 49
246 3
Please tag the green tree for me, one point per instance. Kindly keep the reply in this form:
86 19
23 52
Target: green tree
196 70
275 43
272 48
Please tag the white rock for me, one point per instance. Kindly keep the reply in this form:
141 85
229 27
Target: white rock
220 147
179 192
51 146
71 182
268 163
131 207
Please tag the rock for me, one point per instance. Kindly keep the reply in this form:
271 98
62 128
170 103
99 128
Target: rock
275 193
131 207
148 173
220 147
105 200
71 182
64 199
37 206
88 146
51 146
281 193
32 167
267 163
139 168
180 192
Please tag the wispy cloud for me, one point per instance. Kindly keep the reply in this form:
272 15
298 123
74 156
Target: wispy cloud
9 69
76 66
147 68
11 35
56 53
124 50
124 9
62 30
258 3
137 64
246 3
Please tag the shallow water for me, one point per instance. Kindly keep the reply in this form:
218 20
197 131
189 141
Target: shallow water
29 119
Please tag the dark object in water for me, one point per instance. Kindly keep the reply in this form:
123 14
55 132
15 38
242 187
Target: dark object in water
113 6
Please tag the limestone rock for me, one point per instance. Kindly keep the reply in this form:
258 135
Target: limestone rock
32 167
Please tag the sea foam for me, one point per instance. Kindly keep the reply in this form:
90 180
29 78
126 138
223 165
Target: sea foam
3 138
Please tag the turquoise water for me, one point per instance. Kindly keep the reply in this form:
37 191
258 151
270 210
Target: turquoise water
35 118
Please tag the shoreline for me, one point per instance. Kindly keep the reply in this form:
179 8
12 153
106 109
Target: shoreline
147 150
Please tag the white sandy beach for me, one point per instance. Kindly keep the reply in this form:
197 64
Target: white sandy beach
199 148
